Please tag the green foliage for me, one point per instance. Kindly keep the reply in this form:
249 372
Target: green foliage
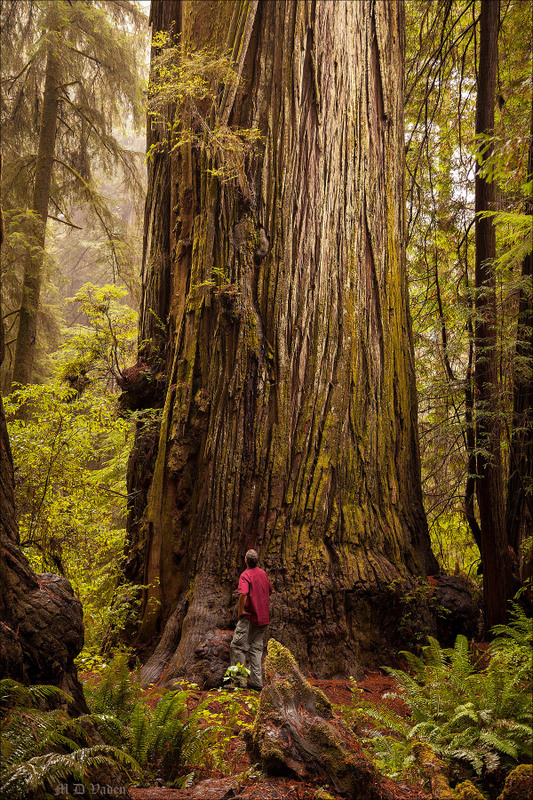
157 728
102 347
70 454
234 712
197 82
70 451
442 149
476 718
113 688
97 182
235 675
514 641
41 748
165 737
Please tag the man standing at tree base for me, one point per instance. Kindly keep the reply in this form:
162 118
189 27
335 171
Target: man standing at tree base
254 596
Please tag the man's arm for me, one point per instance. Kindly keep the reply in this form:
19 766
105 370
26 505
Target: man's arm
242 602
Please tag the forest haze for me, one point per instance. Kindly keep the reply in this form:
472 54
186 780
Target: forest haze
267 283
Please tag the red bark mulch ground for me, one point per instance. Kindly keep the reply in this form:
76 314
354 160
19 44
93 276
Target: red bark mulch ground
216 786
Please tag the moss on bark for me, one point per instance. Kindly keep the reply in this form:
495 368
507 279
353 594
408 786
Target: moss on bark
518 784
293 732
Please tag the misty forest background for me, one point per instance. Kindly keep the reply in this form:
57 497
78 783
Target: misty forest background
86 391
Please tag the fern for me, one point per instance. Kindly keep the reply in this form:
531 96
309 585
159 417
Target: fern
13 693
159 737
517 636
116 692
139 732
476 720
42 748
40 774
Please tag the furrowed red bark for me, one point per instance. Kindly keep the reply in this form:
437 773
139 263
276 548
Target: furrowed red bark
290 415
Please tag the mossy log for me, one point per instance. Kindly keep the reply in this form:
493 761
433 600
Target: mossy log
518 784
294 732
435 771
467 791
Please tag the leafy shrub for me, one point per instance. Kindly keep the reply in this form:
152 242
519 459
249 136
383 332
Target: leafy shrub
235 676
476 719
70 457
224 724
190 78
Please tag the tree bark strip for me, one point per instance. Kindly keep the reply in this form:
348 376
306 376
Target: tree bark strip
34 260
497 579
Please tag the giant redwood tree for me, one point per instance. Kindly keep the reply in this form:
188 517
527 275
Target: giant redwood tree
275 313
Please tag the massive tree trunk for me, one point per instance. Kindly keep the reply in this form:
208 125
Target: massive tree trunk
34 258
290 415
497 577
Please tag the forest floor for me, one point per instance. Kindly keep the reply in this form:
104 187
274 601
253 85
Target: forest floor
246 784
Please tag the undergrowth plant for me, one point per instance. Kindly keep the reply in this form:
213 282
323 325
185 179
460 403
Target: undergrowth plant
233 713
164 738
42 748
113 688
477 718
156 727
150 732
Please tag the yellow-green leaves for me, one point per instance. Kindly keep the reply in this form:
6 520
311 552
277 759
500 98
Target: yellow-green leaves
186 100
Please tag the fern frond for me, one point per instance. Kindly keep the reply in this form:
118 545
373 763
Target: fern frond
13 693
28 779
481 718
495 742
139 732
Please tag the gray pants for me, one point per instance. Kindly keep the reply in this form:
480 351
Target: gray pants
247 642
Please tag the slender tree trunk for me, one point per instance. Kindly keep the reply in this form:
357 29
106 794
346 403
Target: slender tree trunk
519 516
497 579
290 416
34 259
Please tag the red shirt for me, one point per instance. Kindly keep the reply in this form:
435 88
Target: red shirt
254 582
